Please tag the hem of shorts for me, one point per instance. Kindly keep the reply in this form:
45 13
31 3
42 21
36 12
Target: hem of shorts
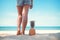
22 5
18 5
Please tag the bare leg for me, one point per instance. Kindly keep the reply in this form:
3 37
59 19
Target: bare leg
19 20
24 17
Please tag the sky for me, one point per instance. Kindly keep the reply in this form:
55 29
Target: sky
44 13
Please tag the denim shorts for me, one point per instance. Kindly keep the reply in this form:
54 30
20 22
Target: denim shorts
23 2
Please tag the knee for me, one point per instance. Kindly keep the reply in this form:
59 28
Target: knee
19 16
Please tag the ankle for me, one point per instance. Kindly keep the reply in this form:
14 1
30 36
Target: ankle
22 32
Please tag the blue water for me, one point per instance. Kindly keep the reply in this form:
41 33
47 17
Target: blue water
14 28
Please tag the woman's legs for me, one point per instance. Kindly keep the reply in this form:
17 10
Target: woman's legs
19 20
24 17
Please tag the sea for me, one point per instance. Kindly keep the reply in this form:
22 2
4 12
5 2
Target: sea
14 28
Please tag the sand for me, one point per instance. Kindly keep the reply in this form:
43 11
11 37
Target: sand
38 36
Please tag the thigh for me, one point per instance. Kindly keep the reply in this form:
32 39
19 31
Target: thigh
20 8
25 9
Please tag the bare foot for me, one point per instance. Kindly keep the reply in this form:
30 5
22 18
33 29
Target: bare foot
22 33
18 32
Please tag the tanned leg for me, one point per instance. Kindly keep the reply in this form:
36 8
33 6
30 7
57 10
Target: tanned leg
24 17
19 19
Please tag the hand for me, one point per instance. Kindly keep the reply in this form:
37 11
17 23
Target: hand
30 6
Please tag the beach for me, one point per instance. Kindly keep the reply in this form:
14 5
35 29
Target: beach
40 35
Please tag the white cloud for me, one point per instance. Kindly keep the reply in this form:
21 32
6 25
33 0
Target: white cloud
39 19
8 22
44 19
13 14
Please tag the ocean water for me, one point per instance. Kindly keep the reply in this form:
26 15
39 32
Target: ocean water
14 28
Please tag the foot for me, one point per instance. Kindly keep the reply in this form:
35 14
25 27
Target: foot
18 32
22 33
